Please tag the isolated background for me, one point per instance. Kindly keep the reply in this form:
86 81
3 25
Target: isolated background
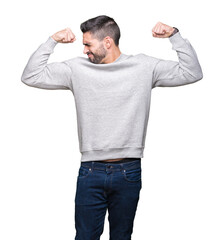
182 195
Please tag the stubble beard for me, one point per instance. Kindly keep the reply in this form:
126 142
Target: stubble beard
98 55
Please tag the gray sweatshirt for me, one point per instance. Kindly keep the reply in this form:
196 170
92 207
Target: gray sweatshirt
112 100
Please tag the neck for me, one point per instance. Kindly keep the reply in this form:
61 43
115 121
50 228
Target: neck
112 56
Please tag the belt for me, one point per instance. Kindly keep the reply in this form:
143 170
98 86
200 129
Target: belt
121 161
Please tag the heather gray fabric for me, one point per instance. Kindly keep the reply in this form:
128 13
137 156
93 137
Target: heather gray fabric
112 100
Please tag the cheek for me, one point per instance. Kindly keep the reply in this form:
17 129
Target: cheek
92 49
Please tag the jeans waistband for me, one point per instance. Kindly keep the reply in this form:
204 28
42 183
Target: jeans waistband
110 165
121 161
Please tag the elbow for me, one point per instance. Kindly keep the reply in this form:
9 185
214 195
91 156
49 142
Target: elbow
199 76
28 81
194 74
24 77
25 80
28 77
195 77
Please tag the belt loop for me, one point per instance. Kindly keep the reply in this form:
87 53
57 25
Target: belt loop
122 167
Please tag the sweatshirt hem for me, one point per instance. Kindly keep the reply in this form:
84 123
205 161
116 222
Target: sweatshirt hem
112 153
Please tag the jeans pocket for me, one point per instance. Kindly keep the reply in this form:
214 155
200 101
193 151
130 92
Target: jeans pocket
84 172
133 175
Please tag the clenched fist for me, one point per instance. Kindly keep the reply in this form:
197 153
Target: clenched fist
64 36
162 30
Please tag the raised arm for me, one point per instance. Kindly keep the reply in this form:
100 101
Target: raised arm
57 75
168 73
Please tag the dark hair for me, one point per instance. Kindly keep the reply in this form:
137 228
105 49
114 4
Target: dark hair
101 27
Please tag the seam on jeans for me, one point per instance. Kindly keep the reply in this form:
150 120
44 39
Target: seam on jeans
126 178
82 177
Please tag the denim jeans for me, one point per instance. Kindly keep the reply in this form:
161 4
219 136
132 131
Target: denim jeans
102 186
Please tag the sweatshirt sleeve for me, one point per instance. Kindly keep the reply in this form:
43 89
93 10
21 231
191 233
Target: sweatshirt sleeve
39 74
168 73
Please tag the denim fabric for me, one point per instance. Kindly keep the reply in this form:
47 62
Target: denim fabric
111 186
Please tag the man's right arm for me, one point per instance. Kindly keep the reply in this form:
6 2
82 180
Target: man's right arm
57 75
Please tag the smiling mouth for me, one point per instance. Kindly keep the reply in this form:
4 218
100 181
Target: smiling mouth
90 54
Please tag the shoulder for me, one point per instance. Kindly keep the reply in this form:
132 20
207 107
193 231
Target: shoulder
144 58
76 61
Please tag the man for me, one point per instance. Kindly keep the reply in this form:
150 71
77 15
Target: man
112 94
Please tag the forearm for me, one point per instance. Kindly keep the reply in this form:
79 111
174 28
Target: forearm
38 73
187 56
37 61
187 70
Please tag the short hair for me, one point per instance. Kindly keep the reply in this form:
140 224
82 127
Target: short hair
101 27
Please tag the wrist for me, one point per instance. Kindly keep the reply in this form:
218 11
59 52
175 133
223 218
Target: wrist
174 32
54 42
54 38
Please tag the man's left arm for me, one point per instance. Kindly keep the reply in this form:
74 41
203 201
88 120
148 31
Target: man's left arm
168 73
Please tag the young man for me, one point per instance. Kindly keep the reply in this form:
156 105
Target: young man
112 93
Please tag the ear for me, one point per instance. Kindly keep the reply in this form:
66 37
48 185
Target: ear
108 41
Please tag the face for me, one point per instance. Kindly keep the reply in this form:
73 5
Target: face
94 48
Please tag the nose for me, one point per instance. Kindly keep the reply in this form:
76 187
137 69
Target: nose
85 50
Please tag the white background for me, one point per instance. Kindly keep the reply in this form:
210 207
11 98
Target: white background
182 170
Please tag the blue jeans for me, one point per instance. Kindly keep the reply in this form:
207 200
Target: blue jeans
102 186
